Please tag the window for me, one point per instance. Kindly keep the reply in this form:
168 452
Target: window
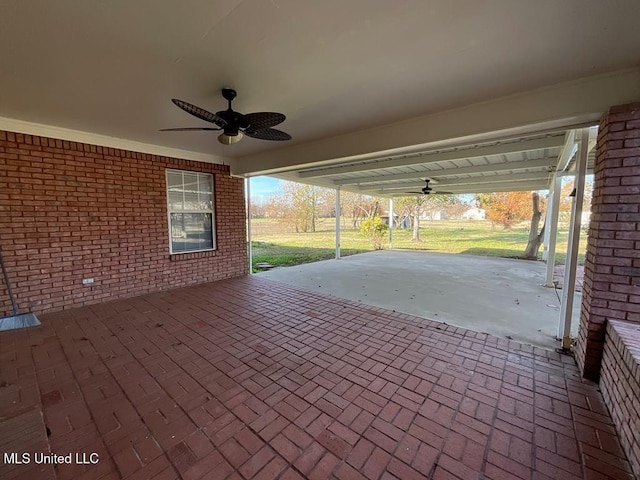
191 218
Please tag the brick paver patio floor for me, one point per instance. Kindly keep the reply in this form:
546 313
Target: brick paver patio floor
249 378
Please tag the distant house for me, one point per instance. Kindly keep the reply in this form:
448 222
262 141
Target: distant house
475 213
434 215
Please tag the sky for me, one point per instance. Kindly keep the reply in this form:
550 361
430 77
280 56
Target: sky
263 187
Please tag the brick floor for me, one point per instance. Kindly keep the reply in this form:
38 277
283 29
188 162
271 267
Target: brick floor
558 277
249 378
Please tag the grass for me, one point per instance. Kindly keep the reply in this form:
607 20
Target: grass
447 236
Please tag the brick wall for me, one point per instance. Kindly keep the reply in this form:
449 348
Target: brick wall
612 266
70 211
620 385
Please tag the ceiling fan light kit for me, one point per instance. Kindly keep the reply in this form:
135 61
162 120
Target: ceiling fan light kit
235 125
225 139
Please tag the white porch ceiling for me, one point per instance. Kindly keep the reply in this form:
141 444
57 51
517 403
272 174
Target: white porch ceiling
362 82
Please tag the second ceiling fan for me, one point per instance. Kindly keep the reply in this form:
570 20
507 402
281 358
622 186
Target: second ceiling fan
426 190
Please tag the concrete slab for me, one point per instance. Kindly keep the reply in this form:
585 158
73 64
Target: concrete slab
501 296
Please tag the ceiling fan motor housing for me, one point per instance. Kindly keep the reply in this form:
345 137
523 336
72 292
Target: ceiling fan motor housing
229 94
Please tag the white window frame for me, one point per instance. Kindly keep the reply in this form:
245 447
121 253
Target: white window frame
211 211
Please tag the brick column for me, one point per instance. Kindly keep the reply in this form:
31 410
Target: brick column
612 268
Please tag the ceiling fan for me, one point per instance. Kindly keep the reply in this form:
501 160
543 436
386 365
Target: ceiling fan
426 190
234 125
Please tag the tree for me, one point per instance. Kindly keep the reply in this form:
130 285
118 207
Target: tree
457 208
413 206
566 200
358 206
257 206
535 238
417 204
276 206
506 208
303 202
375 229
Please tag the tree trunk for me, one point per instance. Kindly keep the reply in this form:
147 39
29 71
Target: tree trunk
416 223
313 208
535 238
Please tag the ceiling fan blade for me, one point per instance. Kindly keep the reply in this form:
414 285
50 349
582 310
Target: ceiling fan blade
199 112
268 134
262 120
188 129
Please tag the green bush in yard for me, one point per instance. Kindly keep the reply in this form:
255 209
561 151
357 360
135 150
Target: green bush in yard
375 229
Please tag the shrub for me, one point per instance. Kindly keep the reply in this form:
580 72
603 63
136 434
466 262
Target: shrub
375 229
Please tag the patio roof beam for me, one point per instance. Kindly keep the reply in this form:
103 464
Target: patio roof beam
568 151
548 162
433 157
464 181
593 138
500 187
524 186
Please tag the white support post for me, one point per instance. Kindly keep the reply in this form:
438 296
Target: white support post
391 222
338 223
553 211
547 219
568 288
247 183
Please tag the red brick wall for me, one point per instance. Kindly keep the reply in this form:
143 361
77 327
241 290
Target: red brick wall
612 265
70 211
620 385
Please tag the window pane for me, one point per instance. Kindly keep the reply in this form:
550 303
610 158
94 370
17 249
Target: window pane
191 231
190 181
204 184
174 179
175 200
206 202
191 200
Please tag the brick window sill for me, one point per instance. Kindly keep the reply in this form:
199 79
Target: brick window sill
177 257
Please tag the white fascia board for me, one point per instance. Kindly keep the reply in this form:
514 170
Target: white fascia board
553 108
50 131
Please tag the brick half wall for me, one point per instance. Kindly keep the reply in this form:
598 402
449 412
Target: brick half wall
620 385
612 266
70 211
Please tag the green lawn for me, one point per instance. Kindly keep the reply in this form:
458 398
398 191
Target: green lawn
447 236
